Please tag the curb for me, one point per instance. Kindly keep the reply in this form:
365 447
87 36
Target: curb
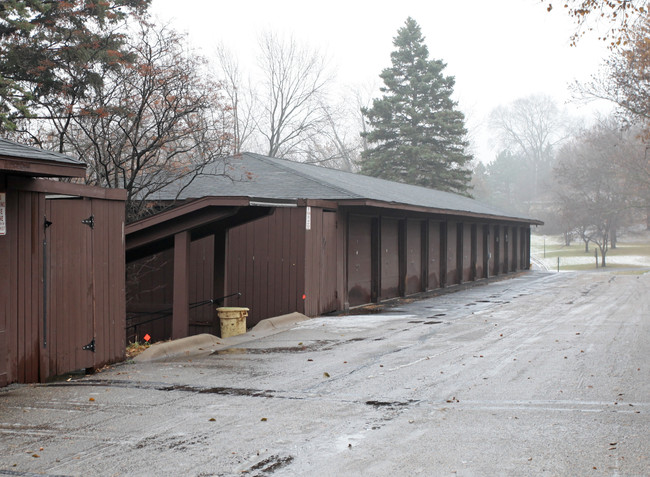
206 343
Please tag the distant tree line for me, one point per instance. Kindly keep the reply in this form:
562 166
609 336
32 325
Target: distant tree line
586 182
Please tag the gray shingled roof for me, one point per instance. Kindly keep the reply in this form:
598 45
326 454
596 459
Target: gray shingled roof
260 177
13 149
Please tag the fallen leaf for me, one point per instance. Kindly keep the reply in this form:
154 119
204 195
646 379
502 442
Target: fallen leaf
212 419
310 359
264 419
327 375
91 399
35 455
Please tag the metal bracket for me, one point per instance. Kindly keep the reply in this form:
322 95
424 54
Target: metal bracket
90 346
90 221
47 223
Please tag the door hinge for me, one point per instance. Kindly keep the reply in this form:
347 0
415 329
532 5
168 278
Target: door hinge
90 346
90 221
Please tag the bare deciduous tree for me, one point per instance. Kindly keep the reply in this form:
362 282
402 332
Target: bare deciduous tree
531 128
153 122
241 97
294 87
592 186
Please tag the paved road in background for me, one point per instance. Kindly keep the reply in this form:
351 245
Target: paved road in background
545 374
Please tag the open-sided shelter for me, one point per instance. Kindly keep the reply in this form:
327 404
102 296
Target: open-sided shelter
62 260
332 240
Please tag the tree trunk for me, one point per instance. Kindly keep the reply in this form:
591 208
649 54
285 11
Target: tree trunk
586 246
612 238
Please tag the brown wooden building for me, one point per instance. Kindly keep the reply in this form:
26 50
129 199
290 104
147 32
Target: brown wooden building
62 261
326 241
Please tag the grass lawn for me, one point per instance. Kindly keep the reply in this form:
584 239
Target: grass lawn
631 252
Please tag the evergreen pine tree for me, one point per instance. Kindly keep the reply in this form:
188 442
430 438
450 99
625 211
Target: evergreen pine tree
417 135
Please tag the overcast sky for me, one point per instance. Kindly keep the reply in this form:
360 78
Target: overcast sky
498 50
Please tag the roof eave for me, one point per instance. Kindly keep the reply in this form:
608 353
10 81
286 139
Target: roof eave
41 168
434 210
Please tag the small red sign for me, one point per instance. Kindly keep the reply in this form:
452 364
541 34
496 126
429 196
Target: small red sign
147 337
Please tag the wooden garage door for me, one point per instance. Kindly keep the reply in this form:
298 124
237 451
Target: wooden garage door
413 257
390 266
359 260
69 285
327 286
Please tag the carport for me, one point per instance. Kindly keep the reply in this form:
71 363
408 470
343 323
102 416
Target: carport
163 243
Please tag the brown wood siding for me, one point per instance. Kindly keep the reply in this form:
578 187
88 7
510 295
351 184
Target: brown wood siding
265 262
507 248
24 209
515 249
452 254
108 281
85 284
413 257
389 256
359 260
433 280
4 298
63 285
525 248
320 263
149 297
203 318
328 296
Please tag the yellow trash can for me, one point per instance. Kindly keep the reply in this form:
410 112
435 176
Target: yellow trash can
232 320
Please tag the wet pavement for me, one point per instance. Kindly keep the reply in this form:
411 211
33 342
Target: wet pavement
544 374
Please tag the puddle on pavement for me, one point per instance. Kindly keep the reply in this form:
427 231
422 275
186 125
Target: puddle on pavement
219 390
380 404
320 345
376 310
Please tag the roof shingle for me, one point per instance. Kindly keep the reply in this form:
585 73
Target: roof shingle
260 177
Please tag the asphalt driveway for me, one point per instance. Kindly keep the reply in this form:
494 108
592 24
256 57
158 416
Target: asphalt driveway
545 374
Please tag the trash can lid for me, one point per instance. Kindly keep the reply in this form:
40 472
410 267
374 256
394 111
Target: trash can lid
232 308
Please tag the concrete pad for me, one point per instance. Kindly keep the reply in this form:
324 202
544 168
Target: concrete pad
192 345
278 322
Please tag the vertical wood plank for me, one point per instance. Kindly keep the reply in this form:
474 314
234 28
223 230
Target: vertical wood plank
181 318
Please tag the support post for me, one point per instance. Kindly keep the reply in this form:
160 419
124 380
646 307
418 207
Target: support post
181 305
